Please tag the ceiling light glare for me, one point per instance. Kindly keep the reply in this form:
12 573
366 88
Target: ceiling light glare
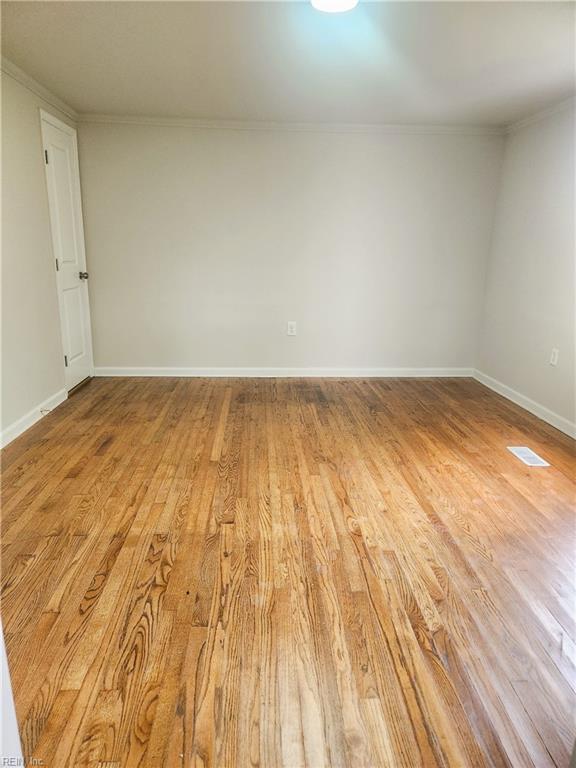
334 6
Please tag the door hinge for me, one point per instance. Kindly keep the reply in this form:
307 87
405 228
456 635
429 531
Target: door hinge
46 156
57 266
66 360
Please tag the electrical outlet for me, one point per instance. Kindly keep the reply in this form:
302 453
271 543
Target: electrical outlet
291 328
554 356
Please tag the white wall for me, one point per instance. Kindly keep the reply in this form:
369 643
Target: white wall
32 357
530 301
201 244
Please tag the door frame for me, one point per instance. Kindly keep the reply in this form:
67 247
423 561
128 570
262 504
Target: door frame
57 123
10 744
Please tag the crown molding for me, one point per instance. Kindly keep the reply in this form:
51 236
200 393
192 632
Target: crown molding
543 114
247 125
9 68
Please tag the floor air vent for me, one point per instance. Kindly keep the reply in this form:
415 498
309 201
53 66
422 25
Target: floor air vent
528 456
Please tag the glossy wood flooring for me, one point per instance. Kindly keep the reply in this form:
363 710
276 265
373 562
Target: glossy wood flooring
290 573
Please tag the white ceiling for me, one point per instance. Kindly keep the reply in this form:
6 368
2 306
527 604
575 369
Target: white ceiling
486 63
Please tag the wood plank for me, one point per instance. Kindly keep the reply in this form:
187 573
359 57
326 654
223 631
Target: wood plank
290 573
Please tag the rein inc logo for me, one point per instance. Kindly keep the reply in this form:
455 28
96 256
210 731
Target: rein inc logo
21 761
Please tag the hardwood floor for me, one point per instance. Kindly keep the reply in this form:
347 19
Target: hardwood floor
290 573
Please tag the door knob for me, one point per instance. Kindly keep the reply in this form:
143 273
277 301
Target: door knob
83 275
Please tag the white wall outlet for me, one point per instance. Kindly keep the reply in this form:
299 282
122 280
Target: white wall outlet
291 328
554 356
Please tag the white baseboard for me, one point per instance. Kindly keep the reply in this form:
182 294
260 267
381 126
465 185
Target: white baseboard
564 425
25 422
357 373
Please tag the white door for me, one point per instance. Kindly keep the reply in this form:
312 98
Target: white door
63 180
